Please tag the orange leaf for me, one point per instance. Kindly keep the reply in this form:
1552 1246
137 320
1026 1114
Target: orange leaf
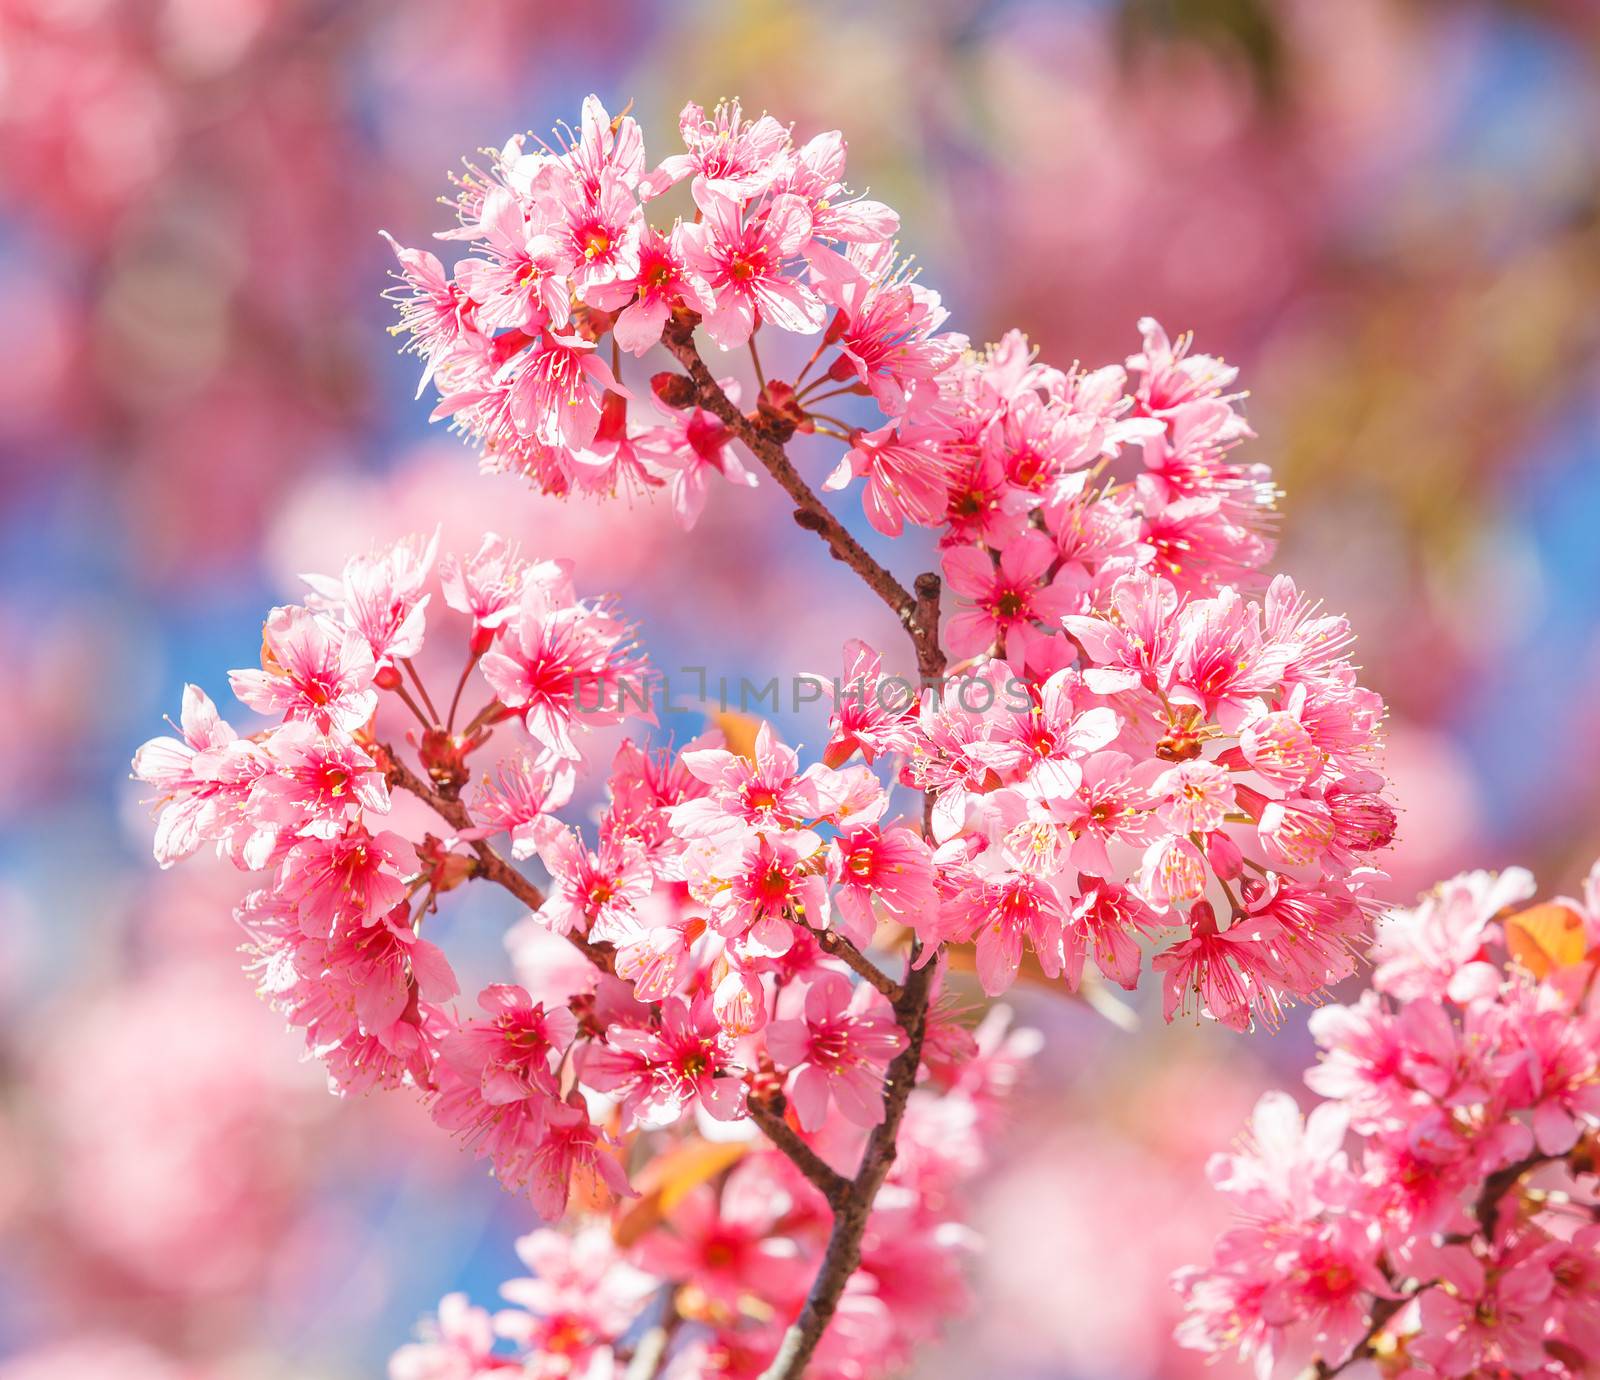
1546 938
665 1182
740 730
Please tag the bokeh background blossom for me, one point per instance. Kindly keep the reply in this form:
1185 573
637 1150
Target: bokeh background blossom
1386 211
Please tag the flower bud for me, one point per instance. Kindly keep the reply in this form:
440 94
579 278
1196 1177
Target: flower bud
1224 856
675 390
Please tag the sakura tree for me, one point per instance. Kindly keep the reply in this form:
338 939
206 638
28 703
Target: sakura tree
736 1079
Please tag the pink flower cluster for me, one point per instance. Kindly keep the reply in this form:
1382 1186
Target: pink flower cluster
734 1247
700 898
1203 759
562 255
1464 1236
1133 735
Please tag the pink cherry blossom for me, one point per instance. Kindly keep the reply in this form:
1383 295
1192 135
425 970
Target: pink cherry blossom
1008 596
907 474
872 713
1435 949
580 1299
890 869
382 596
728 155
521 799
690 447
747 262
485 585
317 783
311 670
563 666
592 891
196 797
511 1055
353 878
888 324
727 1242
768 792
1115 743
752 885
1433 1244
662 1072
595 234
518 283
663 279
836 1051
459 1346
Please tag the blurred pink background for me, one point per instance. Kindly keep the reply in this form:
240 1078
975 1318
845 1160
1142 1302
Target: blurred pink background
1387 211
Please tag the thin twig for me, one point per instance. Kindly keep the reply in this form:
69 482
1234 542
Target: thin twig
651 1350
807 397
850 1199
490 864
834 943
455 701
427 699
679 340
853 1208
400 689
824 1177
1497 1185
1383 1310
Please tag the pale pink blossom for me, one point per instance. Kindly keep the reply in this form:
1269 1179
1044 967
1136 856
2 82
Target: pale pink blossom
728 155
521 799
311 669
907 474
196 797
1436 948
592 891
487 584
518 284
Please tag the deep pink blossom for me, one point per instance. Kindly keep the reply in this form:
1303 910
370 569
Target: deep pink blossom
662 1072
836 1051
748 261
1008 597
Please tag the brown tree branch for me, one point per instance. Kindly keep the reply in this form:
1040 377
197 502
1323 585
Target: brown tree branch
650 1352
833 943
850 1199
762 440
852 1208
1500 1183
1382 1311
489 864
823 1176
